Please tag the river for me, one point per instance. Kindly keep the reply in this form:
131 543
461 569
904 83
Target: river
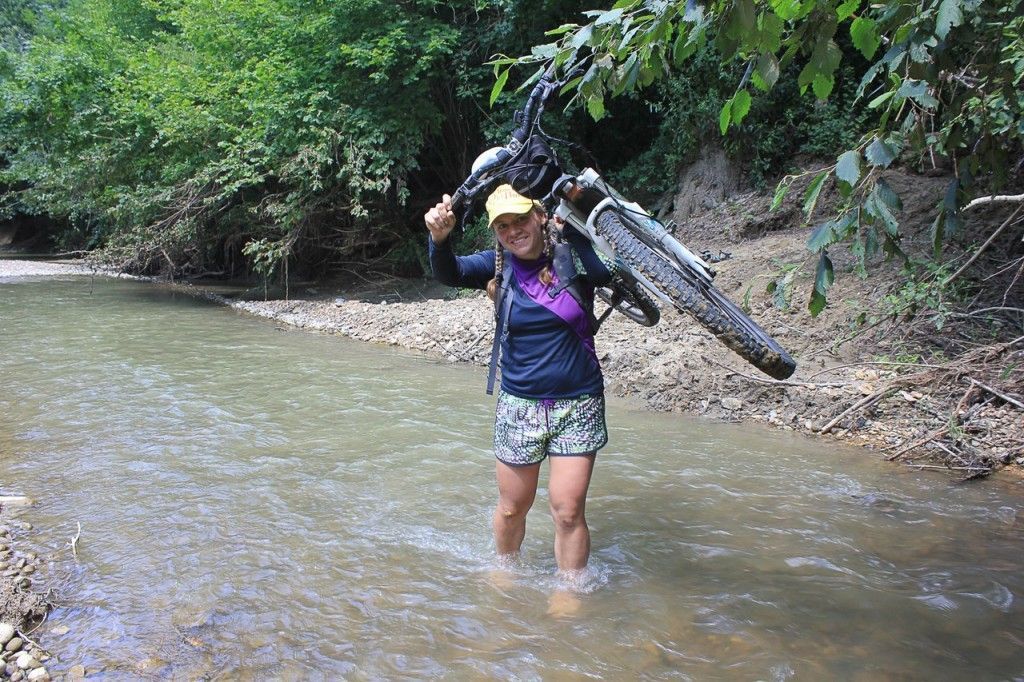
257 502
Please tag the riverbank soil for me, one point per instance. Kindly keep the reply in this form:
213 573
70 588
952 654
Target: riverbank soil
935 390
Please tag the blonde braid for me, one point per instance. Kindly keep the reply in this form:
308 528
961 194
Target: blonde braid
499 265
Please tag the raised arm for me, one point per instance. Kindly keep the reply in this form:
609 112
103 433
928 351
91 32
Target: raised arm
473 271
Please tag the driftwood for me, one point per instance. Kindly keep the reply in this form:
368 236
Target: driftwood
861 404
15 500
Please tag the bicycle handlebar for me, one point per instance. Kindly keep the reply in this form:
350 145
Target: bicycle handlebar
540 93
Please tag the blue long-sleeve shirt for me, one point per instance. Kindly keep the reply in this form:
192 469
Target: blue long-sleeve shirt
542 357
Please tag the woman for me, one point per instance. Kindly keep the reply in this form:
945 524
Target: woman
551 401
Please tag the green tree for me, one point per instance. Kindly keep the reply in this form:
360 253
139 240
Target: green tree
944 77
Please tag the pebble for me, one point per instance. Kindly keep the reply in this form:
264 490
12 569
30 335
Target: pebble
732 404
28 570
6 633
60 630
38 675
17 676
76 672
26 661
14 644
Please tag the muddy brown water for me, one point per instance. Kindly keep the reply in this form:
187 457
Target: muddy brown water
262 503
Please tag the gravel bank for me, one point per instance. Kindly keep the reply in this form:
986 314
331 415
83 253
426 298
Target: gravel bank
29 268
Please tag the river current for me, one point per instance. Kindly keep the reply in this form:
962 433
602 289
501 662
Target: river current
257 502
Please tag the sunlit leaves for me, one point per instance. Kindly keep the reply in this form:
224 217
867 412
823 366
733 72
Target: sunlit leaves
864 33
499 85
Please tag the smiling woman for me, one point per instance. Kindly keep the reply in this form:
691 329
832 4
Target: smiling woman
551 401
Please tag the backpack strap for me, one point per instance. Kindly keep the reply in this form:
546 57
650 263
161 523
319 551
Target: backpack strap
569 279
502 306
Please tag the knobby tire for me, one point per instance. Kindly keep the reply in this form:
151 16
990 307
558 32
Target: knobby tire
703 302
633 300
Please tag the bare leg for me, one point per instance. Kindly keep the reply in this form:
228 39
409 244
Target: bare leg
517 487
567 492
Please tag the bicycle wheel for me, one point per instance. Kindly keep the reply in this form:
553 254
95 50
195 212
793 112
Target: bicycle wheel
703 302
628 297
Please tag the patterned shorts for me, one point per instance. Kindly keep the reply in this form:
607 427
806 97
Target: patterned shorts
527 430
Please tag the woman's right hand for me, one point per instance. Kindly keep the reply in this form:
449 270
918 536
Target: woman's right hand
440 220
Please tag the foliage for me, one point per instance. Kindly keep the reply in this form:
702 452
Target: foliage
780 124
944 77
174 132
926 290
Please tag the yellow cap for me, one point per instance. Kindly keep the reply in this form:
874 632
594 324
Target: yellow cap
504 200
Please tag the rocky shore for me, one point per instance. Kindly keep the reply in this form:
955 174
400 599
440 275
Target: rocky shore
21 607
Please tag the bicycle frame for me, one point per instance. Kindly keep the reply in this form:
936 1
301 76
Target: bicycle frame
649 229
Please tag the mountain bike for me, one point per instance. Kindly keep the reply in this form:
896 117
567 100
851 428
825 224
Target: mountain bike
649 263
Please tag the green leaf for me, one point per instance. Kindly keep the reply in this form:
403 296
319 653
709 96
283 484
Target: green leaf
848 167
780 194
564 28
917 91
580 38
881 99
499 85
744 16
878 210
609 17
845 10
546 51
823 236
725 117
812 192
888 195
768 69
938 233
869 77
822 86
770 32
684 47
824 276
571 85
740 106
950 14
864 33
879 153
595 107
787 9
782 290
870 241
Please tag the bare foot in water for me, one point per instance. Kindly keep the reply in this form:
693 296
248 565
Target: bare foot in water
502 576
563 604
501 579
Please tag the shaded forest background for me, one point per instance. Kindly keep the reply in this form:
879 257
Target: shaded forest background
240 137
